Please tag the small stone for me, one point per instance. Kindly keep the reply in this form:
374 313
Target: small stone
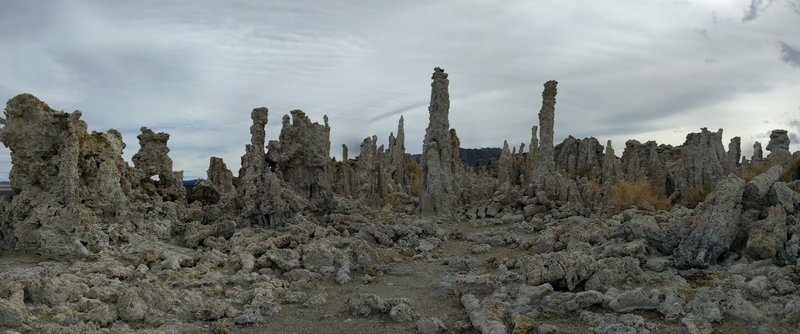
480 249
130 307
430 325
402 313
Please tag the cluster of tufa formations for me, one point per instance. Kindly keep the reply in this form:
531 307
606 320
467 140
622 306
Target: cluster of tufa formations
557 239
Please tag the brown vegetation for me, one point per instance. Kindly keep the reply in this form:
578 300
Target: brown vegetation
699 194
414 176
641 194
792 171
759 168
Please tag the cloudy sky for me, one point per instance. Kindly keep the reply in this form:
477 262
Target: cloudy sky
633 69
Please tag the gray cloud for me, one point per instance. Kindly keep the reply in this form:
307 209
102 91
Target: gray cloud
795 5
755 9
789 54
196 69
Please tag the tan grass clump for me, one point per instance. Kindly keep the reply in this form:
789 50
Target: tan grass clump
641 194
759 168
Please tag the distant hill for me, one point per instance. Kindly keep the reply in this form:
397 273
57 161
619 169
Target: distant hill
471 156
5 188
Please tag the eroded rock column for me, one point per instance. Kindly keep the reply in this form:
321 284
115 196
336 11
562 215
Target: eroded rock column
778 146
546 160
439 193
302 158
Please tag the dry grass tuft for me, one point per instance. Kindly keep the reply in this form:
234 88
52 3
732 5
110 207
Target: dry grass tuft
641 194
699 194
413 174
759 168
792 171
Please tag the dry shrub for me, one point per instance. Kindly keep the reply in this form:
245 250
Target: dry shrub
759 168
413 174
641 194
792 171
699 194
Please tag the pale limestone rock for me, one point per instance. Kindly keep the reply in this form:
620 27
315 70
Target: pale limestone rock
715 225
533 153
758 153
766 237
220 176
265 200
131 307
154 166
486 315
755 191
706 161
345 177
505 166
301 158
611 166
735 153
369 173
545 178
64 178
778 146
580 158
546 161
440 154
396 161
560 268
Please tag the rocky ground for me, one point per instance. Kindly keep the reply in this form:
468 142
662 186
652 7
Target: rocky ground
491 275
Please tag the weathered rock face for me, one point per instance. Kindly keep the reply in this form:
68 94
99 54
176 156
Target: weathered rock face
505 166
582 157
345 178
765 238
301 158
440 162
735 153
396 158
154 167
706 161
546 156
755 191
612 169
265 201
641 161
715 225
778 146
36 134
63 177
369 173
758 153
679 171
533 151
220 176
545 178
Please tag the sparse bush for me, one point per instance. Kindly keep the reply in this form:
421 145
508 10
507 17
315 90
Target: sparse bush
792 171
413 174
641 194
699 194
759 168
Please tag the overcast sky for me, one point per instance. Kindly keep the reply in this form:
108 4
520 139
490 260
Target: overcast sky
635 69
